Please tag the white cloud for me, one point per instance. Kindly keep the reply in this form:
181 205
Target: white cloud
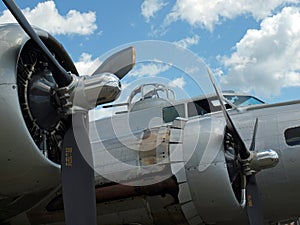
149 69
178 82
101 113
86 65
150 7
188 42
208 13
45 15
268 59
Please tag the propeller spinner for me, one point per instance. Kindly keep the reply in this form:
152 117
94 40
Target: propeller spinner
74 96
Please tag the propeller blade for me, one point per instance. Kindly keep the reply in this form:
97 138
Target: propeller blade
240 145
78 175
254 207
119 63
252 146
62 78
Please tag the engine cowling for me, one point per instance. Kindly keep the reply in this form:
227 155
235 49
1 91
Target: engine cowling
206 195
27 135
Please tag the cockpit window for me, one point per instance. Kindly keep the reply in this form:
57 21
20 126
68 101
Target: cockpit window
170 113
148 91
292 136
240 100
204 106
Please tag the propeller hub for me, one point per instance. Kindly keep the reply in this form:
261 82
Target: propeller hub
86 92
264 160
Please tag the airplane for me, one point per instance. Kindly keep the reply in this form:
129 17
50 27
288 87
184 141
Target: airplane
225 158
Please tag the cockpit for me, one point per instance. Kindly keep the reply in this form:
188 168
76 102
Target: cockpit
242 100
203 105
150 95
161 99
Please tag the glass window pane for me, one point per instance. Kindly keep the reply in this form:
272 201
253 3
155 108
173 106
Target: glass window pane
195 109
292 136
170 113
243 100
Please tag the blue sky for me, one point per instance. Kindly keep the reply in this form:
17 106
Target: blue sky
251 46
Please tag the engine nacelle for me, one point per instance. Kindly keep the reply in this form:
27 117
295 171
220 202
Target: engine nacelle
206 195
26 82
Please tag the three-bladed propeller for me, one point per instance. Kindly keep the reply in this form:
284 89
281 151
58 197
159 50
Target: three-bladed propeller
251 162
74 97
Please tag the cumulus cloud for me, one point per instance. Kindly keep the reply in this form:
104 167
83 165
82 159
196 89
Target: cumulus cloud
267 59
100 113
188 42
86 65
149 69
45 15
150 7
208 13
178 82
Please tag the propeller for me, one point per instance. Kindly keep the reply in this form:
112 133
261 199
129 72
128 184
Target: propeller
78 175
74 97
253 200
119 63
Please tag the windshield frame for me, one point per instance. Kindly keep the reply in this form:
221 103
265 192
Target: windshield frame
239 100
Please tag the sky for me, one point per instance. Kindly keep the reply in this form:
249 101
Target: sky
250 46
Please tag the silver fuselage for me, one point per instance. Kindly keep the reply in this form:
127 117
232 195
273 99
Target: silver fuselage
192 153
205 194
